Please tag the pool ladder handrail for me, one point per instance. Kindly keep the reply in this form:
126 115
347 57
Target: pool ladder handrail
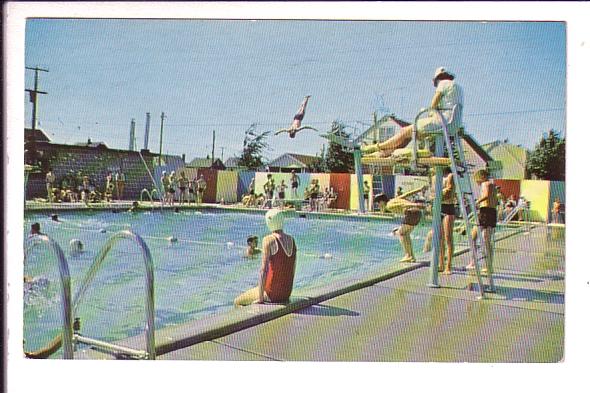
150 352
156 188
66 294
149 194
69 338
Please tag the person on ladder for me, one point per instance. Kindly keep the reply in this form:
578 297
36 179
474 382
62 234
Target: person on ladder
447 94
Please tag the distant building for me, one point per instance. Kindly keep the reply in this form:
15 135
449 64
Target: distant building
37 135
380 131
512 157
92 159
291 161
96 145
232 164
206 163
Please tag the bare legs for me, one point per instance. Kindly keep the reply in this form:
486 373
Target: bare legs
406 241
447 246
384 149
447 230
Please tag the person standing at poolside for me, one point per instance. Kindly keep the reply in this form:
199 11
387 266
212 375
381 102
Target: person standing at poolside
269 189
182 186
165 182
191 190
277 271
281 189
447 95
366 192
314 192
555 211
448 202
201 186
487 215
294 185
49 180
120 183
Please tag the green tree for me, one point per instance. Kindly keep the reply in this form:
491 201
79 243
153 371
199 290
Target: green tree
254 145
337 159
319 164
547 160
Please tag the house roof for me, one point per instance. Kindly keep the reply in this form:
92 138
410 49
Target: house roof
292 160
206 163
477 148
232 162
374 128
38 135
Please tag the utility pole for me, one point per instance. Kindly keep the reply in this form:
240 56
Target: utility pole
33 95
147 131
162 117
213 151
132 136
222 153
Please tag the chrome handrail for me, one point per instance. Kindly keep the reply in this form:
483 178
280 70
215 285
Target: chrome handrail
149 267
64 274
153 181
146 191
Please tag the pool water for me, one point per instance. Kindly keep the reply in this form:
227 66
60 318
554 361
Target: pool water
199 275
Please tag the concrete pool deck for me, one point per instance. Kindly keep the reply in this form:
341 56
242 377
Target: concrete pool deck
397 317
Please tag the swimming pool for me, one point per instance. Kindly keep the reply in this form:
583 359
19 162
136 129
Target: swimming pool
199 275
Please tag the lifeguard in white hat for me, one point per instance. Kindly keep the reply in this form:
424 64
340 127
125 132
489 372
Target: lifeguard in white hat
446 96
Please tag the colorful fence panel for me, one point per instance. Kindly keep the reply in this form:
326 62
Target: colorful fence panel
354 192
227 186
244 179
537 193
389 185
323 179
341 184
508 187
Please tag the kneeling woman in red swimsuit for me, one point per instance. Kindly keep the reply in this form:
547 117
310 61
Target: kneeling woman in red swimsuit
278 265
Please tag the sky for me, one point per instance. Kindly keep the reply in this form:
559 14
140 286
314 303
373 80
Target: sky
224 75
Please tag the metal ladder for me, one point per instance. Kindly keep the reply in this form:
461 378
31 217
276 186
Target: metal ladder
70 332
463 188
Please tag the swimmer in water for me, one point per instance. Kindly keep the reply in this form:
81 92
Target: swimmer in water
296 125
252 249
76 247
55 218
35 229
134 207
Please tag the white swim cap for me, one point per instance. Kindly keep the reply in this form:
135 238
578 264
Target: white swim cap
76 246
441 70
274 219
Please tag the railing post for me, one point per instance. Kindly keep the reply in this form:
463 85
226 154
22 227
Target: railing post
358 170
436 217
